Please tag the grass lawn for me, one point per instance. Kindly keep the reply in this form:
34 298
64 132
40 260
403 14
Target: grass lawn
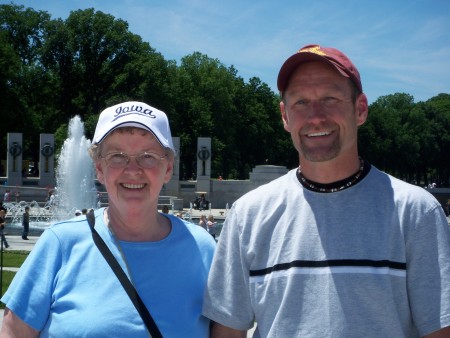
12 259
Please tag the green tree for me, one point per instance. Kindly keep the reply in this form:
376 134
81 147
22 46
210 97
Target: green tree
400 137
438 110
98 62
203 94
262 138
9 68
24 27
52 70
24 82
242 119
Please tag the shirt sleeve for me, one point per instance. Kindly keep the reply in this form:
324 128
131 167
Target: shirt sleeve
30 293
428 272
227 300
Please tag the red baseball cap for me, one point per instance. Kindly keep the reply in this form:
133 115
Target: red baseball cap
332 56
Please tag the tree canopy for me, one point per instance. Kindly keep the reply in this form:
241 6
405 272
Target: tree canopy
54 69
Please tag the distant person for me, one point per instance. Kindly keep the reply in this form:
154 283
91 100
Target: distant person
26 223
196 203
211 225
5 211
84 211
2 227
200 202
334 248
2 207
66 288
203 203
165 209
7 196
50 199
203 222
99 199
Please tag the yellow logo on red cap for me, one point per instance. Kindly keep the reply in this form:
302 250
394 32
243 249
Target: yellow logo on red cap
314 50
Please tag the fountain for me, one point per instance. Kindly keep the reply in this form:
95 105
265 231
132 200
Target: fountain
75 188
75 185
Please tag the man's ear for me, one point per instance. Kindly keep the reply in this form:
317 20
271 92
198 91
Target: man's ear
362 109
284 116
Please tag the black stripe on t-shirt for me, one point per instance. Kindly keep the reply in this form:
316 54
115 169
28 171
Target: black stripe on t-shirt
330 263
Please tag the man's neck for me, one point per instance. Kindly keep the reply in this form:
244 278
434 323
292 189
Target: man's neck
330 171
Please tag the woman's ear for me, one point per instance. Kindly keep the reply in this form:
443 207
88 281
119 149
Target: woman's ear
169 170
99 171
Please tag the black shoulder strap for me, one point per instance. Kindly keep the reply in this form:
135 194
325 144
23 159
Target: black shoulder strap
129 288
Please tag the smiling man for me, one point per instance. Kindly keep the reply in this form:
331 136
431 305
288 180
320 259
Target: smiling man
335 248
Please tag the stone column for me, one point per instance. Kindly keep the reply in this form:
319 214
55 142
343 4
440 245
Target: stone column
14 159
204 164
47 161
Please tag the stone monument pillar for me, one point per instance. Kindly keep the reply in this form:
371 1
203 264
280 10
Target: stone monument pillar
204 164
47 161
14 159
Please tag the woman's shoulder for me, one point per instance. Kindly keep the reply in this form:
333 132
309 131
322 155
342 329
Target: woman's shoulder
70 229
195 229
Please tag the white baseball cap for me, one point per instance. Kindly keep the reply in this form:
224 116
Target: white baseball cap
134 114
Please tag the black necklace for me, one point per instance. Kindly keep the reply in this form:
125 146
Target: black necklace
335 186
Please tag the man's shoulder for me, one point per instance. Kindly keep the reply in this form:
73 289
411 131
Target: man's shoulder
271 189
400 189
398 183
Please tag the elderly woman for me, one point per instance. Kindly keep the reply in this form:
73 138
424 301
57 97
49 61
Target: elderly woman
67 289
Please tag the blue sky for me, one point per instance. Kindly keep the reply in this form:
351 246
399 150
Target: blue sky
397 45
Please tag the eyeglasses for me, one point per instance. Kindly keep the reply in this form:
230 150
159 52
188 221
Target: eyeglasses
120 160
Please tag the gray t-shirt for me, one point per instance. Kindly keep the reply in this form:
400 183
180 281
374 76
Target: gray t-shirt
372 260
